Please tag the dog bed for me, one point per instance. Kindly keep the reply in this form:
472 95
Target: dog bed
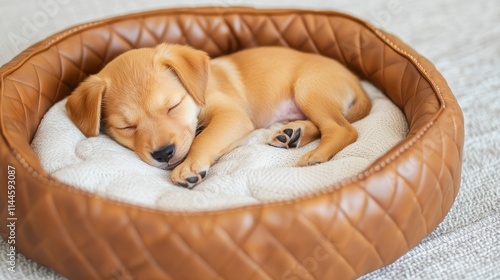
342 231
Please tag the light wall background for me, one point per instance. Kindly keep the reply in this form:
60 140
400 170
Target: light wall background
23 23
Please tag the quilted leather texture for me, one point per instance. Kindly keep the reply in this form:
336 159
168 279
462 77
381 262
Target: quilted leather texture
350 229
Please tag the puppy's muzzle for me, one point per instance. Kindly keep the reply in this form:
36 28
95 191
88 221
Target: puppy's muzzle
164 154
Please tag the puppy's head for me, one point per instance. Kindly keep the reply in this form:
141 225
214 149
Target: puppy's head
147 100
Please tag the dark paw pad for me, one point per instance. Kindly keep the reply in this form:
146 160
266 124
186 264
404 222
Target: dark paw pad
192 180
281 138
288 132
295 138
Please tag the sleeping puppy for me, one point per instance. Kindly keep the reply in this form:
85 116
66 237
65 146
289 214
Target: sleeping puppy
153 101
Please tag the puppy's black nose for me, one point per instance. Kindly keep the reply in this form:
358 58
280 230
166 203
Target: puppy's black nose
164 154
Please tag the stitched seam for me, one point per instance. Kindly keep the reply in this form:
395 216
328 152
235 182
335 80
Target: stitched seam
199 256
23 106
139 36
342 256
232 31
72 31
89 265
408 185
89 49
41 92
361 64
205 31
247 26
310 35
288 24
442 169
21 82
142 21
183 261
285 249
361 233
149 256
61 55
276 29
112 31
419 66
337 42
44 69
240 248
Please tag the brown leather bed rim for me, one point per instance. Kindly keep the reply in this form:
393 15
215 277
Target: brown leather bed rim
346 231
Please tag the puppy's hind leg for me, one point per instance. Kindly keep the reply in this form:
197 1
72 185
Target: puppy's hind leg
325 110
295 134
335 135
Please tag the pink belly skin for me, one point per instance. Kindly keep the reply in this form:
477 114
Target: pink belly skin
286 112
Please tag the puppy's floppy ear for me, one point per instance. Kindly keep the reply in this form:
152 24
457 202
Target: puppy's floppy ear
84 105
190 65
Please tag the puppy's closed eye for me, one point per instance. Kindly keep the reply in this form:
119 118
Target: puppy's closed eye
172 108
130 127
124 129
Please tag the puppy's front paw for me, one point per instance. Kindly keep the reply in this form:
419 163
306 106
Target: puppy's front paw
189 173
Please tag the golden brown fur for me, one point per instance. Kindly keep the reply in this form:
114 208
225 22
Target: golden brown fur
152 100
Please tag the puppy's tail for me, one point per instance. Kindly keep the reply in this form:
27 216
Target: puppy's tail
360 106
